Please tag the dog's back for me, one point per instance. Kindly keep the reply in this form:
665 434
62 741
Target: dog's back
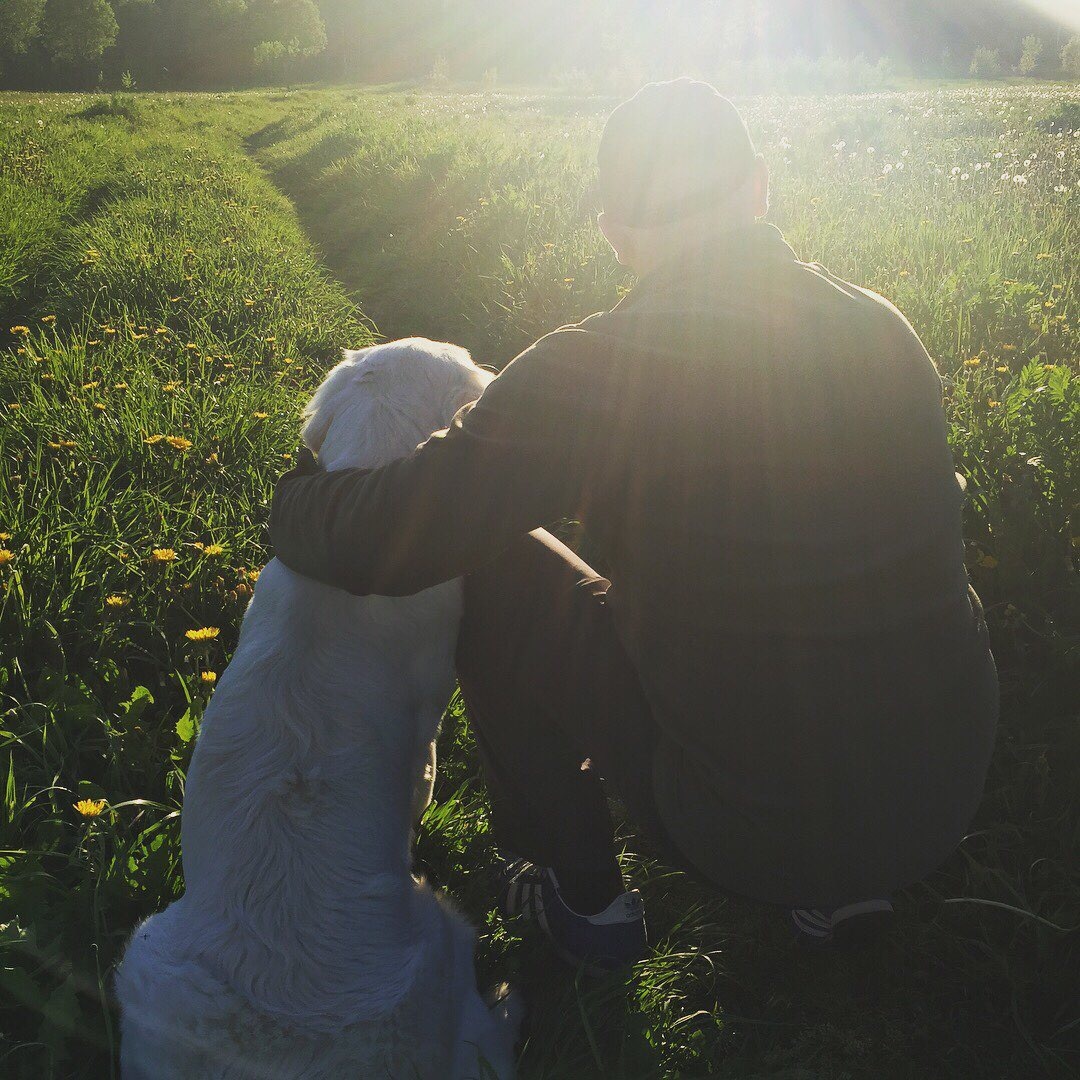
302 946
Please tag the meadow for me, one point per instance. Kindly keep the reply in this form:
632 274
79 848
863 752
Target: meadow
176 272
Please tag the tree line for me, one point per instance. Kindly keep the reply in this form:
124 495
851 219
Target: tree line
162 44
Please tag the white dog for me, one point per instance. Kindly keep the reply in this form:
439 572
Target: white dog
303 946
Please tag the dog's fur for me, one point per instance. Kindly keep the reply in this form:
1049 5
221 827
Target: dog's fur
303 946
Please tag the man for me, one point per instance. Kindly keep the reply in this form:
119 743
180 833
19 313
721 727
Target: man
787 677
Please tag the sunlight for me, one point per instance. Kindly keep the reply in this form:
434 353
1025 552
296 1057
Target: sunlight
1066 12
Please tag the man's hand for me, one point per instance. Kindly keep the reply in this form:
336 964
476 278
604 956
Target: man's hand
306 464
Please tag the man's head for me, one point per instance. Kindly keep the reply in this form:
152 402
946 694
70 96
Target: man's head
676 163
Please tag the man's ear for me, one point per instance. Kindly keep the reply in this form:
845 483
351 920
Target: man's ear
619 237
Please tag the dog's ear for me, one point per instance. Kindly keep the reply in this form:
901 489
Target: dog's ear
319 412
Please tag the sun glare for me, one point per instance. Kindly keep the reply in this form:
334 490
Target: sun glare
1066 12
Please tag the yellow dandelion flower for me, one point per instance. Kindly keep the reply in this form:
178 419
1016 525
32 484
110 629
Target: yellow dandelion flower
90 808
120 386
108 330
1009 348
117 601
1044 255
91 385
208 677
975 361
153 440
48 318
6 556
287 360
20 329
203 633
174 299
191 346
212 551
14 406
987 561
171 387
260 415
212 459
162 330
92 341
1049 367
1002 369
100 406
137 337
122 556
5 536
178 442
993 404
163 555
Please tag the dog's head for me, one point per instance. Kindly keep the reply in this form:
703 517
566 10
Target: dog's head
379 403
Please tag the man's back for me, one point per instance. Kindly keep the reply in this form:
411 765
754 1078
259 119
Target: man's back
774 499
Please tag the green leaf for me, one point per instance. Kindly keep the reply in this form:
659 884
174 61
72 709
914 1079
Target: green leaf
134 707
61 1017
185 727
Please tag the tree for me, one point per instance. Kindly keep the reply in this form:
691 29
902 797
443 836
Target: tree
20 21
986 63
78 30
284 32
1031 49
1070 57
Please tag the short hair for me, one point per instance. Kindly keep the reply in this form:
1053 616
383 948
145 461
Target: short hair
672 150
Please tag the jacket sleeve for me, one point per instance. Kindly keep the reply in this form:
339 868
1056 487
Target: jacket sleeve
506 465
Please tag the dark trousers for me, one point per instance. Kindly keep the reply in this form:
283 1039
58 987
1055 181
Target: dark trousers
555 704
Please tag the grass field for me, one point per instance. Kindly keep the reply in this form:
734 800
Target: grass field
176 271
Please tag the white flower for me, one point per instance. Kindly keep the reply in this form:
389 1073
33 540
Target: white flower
1019 179
956 170
965 176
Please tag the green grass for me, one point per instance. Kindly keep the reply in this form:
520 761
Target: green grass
187 265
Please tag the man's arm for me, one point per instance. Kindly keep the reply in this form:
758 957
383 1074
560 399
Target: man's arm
504 466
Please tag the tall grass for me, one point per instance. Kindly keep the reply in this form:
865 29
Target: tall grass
176 314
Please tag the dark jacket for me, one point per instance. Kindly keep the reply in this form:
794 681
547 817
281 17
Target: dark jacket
758 453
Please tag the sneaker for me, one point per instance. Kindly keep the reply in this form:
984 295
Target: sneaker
852 924
612 939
